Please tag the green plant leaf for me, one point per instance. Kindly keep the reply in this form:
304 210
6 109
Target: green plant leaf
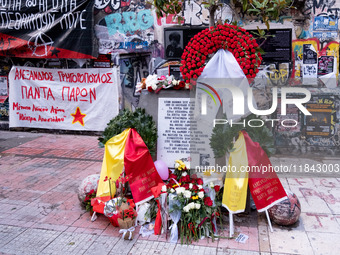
245 5
142 122
254 10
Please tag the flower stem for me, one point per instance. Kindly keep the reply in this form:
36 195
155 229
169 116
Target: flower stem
110 188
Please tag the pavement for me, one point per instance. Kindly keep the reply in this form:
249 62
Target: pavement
40 212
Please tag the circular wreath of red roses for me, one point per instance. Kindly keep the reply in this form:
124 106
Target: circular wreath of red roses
229 37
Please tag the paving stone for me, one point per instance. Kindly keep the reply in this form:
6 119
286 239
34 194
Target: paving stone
292 242
123 246
311 200
225 251
315 222
264 239
102 245
149 247
30 241
70 243
324 243
8 233
185 249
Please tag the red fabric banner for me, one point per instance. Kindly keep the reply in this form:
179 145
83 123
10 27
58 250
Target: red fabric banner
156 191
139 166
264 185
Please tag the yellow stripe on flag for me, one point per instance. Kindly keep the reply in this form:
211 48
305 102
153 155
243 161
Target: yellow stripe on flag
113 163
236 182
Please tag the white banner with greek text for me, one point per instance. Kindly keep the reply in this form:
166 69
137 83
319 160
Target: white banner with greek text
68 99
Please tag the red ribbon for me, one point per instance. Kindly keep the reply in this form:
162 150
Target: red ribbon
199 225
211 220
191 227
212 223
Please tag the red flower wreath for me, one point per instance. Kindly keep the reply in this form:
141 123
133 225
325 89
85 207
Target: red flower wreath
233 38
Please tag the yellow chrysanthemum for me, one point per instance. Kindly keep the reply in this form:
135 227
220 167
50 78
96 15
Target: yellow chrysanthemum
179 165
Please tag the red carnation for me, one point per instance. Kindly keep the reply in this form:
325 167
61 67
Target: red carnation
186 185
208 201
226 36
199 181
172 176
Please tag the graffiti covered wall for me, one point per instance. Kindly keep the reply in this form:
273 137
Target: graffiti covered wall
123 26
132 26
314 65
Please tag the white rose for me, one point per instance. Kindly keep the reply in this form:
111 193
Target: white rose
197 206
187 85
179 190
187 194
177 165
186 208
172 190
191 185
184 174
154 86
164 188
192 205
201 194
174 82
212 185
200 186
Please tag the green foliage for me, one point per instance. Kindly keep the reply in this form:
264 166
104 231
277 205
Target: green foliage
151 213
168 7
267 9
139 120
261 35
221 140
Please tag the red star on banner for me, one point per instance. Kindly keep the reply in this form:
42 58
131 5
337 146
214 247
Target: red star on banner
78 116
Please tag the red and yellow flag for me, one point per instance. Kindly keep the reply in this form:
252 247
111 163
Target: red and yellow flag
236 180
127 150
249 164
